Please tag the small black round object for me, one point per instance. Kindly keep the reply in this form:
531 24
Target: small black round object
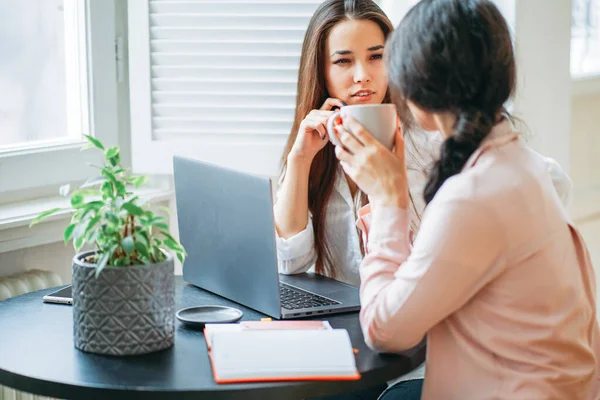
200 315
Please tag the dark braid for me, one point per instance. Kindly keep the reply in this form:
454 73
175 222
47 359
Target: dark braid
452 57
470 130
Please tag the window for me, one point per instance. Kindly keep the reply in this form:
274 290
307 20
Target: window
585 38
57 80
213 80
36 38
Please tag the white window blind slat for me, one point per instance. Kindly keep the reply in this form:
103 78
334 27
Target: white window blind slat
211 76
223 47
206 98
232 34
235 125
225 86
237 133
216 111
233 21
208 60
277 7
223 72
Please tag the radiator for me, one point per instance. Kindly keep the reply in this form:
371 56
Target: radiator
14 285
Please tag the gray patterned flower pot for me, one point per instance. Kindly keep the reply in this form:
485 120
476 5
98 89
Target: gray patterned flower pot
126 311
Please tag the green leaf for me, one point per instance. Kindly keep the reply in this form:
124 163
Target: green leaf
133 209
69 232
85 192
110 229
78 216
167 235
111 152
181 257
79 242
113 218
91 224
171 244
44 215
92 236
157 219
131 199
113 156
104 260
142 237
162 225
107 190
142 249
93 206
119 262
109 174
94 141
157 254
121 190
138 180
127 243
76 200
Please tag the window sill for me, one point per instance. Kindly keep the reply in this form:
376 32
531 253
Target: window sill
585 86
15 218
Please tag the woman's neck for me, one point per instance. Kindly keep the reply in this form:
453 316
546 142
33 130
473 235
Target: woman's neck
351 185
445 123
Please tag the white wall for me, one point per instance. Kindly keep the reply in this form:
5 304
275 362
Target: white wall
542 32
585 143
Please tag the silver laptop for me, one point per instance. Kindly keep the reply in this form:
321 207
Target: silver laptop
227 227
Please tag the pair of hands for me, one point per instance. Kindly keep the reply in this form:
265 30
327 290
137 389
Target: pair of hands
378 172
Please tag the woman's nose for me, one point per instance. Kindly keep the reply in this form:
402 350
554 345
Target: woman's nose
361 73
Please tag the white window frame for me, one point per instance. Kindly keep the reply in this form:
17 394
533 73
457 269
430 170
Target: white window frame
62 161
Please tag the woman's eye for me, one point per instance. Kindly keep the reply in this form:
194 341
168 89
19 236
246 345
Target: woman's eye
342 61
377 56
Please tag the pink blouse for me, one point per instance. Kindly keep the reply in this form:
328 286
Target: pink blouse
498 278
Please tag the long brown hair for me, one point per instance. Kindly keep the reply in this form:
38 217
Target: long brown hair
311 94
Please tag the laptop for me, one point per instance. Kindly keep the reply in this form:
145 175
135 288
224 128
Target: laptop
227 227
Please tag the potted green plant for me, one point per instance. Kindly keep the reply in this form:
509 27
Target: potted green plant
123 287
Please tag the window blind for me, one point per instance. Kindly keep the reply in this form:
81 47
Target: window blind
214 80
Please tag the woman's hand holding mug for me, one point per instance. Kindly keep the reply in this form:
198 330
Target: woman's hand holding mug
378 171
312 134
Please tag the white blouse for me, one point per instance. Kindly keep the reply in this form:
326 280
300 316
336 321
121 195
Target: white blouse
297 254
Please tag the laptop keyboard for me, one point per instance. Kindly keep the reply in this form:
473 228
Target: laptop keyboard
293 298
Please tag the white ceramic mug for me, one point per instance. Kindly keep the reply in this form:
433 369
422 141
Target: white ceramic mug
378 119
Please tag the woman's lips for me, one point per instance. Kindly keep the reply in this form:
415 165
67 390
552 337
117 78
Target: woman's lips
363 95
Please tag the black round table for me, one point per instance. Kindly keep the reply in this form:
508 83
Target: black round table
37 356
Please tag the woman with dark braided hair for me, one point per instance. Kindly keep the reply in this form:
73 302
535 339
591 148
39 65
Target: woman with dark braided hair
498 278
